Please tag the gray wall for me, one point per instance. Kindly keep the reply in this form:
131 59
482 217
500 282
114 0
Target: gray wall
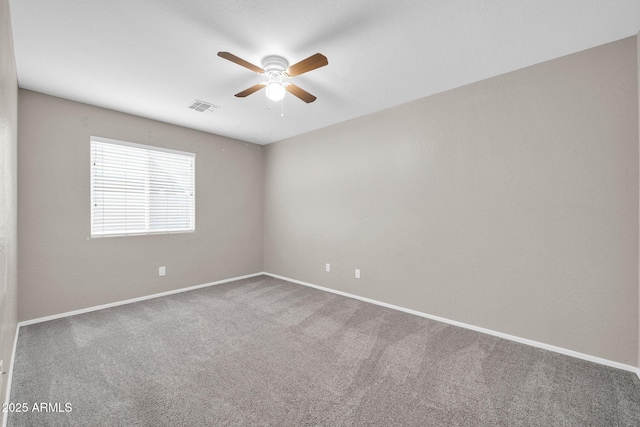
62 269
8 193
509 204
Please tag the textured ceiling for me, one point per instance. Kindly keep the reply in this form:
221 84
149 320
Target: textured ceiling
152 58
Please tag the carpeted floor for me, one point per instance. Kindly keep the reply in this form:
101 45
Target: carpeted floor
265 352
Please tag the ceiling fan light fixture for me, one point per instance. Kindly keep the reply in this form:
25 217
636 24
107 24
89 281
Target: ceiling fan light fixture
275 91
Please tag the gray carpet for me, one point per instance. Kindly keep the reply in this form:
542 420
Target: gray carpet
265 352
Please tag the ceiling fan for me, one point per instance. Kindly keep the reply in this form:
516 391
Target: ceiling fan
277 70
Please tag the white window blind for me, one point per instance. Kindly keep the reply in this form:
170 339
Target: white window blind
138 189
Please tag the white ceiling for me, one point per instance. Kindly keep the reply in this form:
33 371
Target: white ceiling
152 58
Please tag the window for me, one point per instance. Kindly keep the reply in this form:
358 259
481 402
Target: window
138 189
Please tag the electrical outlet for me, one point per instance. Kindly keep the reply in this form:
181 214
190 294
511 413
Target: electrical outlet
328 268
162 271
357 273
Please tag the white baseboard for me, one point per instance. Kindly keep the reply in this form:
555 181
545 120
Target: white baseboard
132 300
526 341
5 415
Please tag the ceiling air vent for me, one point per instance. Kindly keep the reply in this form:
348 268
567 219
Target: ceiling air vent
203 106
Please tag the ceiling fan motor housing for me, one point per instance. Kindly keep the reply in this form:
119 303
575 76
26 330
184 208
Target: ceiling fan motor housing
274 63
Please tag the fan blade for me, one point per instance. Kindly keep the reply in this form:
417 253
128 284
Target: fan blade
300 93
231 57
311 63
249 91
